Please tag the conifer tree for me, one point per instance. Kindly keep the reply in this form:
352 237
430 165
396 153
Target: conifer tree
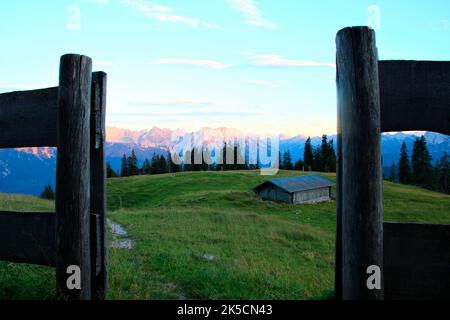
404 167
308 155
146 167
124 166
110 173
393 173
421 163
162 165
299 165
172 160
443 174
287 161
317 159
48 193
133 169
154 164
331 157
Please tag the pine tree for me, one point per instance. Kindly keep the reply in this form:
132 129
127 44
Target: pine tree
308 155
317 159
331 157
162 167
146 167
299 165
421 163
110 173
48 193
404 167
393 173
133 169
154 165
443 174
124 166
287 161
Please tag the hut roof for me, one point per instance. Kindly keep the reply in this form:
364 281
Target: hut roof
299 183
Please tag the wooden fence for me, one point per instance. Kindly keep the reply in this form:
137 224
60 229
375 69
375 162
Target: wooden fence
374 97
70 117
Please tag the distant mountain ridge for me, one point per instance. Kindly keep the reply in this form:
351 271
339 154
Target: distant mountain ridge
28 170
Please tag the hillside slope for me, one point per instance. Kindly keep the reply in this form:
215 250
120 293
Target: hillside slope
205 236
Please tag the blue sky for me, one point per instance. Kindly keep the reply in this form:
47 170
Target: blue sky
255 65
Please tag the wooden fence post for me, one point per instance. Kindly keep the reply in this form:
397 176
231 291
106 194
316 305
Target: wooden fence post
98 185
338 243
73 175
361 179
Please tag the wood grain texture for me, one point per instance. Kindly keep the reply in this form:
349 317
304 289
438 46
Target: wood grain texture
73 175
415 95
98 184
338 294
28 238
361 181
28 118
416 261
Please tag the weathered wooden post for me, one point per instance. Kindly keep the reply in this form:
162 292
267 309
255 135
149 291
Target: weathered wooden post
360 183
98 186
338 243
73 176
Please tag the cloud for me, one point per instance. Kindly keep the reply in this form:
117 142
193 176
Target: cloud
277 61
251 13
210 64
258 82
166 14
141 6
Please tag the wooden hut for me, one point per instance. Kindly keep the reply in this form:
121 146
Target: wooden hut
311 188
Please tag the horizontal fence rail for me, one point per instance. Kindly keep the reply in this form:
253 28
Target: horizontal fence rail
416 261
29 118
415 95
28 238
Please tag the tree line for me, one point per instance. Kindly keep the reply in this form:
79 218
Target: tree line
321 158
418 170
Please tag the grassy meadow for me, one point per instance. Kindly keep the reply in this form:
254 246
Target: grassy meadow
204 235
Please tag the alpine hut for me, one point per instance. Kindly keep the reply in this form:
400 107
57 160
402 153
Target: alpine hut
296 190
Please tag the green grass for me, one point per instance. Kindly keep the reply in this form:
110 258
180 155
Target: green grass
262 250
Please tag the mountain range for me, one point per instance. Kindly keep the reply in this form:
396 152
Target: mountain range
28 170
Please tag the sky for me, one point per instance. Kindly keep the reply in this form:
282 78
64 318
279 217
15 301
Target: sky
254 65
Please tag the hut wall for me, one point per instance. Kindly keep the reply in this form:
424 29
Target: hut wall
274 193
316 195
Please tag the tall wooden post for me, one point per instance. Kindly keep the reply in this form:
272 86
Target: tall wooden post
338 243
98 186
73 177
361 179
